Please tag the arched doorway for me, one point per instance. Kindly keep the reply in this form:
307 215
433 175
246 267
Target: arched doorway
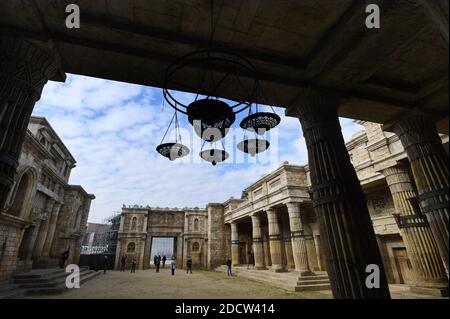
21 195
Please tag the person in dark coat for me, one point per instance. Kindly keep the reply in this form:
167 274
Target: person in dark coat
123 262
105 264
158 263
173 265
164 260
189 266
229 273
64 257
155 262
133 265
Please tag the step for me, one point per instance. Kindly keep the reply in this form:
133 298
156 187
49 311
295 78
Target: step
12 294
45 278
89 276
45 291
310 282
313 287
305 278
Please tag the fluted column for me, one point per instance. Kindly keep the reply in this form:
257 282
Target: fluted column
258 249
266 245
319 253
43 231
51 230
300 253
234 244
275 241
419 242
429 165
25 67
290 264
344 219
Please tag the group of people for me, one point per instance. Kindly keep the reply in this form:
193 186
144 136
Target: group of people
123 262
157 260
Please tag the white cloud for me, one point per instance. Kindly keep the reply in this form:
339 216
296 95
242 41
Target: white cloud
113 128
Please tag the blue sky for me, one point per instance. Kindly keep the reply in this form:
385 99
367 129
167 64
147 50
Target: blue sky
113 128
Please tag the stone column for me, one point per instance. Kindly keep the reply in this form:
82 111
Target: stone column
234 244
25 67
258 249
345 224
51 230
429 165
275 241
319 253
140 265
290 264
43 230
311 249
298 240
266 245
425 259
34 236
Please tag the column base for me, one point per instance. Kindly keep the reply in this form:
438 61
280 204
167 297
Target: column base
305 273
260 268
435 291
278 269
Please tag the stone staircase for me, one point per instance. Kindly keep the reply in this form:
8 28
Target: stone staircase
41 282
291 280
9 290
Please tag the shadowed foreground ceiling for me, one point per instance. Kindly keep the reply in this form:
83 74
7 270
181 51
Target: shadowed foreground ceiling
295 45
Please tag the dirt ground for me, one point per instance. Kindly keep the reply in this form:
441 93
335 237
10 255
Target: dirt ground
148 284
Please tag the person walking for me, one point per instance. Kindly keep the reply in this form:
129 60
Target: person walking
189 266
155 262
133 265
173 265
164 261
229 273
105 264
158 263
123 262
64 257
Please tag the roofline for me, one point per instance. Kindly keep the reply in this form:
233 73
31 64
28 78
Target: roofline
41 119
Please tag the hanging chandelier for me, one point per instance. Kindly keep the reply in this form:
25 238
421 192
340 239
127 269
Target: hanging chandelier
208 72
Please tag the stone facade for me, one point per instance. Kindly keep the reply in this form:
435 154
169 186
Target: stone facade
140 226
43 215
280 209
275 224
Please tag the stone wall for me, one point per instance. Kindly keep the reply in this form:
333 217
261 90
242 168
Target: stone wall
36 223
217 253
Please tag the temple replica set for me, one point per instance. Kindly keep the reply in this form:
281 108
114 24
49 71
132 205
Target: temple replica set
275 221
381 199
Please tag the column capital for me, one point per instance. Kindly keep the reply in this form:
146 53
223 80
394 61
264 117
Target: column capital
256 219
418 134
29 62
315 108
49 205
293 207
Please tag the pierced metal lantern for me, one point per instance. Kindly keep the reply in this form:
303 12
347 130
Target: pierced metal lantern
253 146
214 156
211 118
260 122
172 151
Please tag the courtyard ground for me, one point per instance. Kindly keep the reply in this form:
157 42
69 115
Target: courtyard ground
200 285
